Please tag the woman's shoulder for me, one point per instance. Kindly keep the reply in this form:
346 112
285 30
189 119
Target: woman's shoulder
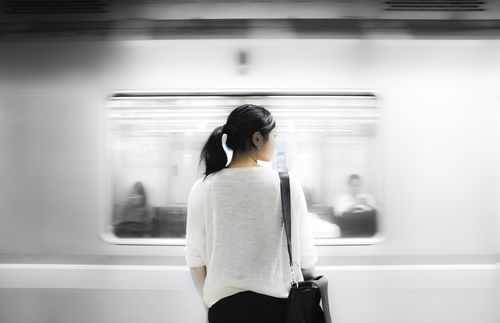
197 187
296 188
264 174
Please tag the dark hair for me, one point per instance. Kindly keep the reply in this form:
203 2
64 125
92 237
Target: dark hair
241 124
353 177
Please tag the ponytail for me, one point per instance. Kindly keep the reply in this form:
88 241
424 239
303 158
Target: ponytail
241 123
213 152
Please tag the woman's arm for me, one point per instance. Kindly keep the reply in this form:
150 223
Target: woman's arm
199 274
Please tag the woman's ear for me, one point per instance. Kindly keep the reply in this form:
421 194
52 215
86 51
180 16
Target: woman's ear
257 139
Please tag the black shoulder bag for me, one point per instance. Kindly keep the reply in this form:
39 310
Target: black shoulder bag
303 305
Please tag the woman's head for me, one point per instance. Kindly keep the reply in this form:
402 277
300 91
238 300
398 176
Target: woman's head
137 195
250 131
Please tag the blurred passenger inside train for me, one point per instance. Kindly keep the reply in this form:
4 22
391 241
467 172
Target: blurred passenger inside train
356 212
354 201
133 220
235 237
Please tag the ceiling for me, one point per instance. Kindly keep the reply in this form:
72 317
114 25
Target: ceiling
247 19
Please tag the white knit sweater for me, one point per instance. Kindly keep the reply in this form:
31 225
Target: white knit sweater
235 229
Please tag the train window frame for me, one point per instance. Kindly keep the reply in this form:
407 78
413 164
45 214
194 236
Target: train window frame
106 193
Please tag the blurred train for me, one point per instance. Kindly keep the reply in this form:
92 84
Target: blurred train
103 113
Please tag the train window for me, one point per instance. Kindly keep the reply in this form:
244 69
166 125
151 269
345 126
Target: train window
330 141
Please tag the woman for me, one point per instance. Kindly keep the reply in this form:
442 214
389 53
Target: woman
236 244
133 219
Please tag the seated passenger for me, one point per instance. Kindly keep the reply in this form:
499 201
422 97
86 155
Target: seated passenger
355 201
133 220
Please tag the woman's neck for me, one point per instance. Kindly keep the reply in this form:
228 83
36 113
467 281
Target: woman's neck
243 161
242 164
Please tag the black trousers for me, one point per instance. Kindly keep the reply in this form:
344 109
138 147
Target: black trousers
248 307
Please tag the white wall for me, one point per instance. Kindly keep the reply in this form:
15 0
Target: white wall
438 101
440 117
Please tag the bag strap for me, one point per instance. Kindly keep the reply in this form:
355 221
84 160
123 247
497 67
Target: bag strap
287 219
285 205
320 281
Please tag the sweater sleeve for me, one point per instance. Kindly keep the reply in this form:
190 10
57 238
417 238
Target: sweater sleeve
308 252
195 228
